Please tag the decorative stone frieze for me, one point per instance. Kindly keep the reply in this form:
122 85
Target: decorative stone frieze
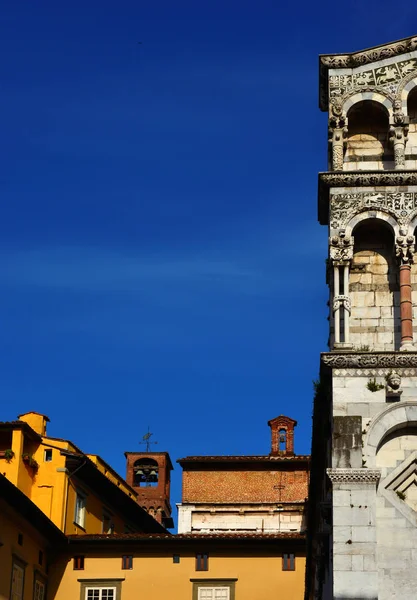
352 360
368 178
354 475
401 205
384 78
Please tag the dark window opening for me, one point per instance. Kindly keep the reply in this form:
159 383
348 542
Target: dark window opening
288 562
201 562
20 539
78 563
176 559
127 561
282 440
40 558
47 457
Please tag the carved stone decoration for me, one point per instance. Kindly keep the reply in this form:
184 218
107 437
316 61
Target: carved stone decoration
363 178
352 360
393 387
341 300
354 475
405 247
341 248
398 138
401 205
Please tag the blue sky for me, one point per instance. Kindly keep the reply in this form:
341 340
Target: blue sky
162 264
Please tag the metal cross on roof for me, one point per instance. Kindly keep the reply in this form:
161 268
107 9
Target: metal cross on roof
147 440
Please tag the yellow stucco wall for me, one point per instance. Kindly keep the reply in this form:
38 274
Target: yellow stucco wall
158 578
51 488
28 552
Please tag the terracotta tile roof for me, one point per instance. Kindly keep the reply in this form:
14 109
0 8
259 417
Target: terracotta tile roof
263 458
115 537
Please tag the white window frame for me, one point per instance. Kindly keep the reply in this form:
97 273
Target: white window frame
80 509
214 589
38 587
101 588
16 590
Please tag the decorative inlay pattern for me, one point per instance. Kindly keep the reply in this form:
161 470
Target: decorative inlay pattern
369 359
354 475
372 372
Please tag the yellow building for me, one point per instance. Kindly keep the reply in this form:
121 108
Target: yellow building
28 542
79 492
181 567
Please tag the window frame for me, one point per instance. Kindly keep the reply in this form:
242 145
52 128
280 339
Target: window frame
288 561
107 516
38 578
103 584
78 559
47 455
20 564
101 589
127 562
214 583
80 511
202 561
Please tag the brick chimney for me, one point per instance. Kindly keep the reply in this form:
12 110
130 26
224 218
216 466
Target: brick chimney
282 436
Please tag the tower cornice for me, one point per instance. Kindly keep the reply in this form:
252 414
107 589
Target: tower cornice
355 179
357 59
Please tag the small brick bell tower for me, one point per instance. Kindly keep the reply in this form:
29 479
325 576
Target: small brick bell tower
149 473
282 436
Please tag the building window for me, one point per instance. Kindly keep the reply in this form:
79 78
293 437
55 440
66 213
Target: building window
288 562
100 593
80 504
78 563
18 581
101 589
127 561
39 589
40 557
201 562
145 473
176 559
211 589
20 539
108 525
47 455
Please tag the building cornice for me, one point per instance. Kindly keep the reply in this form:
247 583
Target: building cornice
355 179
354 360
357 59
354 475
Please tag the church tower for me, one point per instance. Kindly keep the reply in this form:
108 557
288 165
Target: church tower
149 473
363 492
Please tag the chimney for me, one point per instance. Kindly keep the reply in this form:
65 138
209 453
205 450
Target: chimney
36 421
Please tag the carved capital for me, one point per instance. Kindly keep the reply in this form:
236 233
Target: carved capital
405 247
354 475
341 247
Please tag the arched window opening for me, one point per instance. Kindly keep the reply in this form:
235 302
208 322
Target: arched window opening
374 288
282 438
368 147
145 473
411 146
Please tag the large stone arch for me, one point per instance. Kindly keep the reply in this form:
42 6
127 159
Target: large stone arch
377 97
373 214
408 83
396 416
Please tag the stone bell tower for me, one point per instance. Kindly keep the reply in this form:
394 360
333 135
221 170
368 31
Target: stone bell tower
363 494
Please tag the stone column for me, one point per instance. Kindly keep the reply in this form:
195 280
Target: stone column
404 249
399 134
337 134
341 254
337 149
398 138
355 573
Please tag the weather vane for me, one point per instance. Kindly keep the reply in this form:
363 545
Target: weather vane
147 440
